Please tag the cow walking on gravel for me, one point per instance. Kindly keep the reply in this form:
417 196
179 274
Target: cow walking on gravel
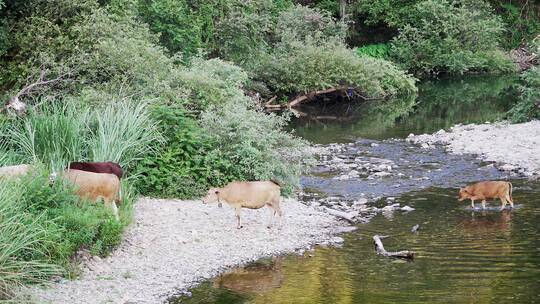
251 195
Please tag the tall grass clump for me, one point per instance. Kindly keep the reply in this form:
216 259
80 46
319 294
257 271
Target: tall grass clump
22 239
53 136
122 133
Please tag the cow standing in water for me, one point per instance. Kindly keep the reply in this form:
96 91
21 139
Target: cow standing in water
251 195
487 190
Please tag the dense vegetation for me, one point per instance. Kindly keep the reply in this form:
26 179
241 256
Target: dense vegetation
174 91
528 106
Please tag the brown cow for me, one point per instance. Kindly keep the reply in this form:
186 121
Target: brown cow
251 195
98 167
486 190
95 186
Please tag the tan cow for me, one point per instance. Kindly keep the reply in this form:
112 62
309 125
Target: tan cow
487 190
95 186
15 171
252 195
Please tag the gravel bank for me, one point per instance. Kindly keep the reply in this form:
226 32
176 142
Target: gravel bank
173 244
514 147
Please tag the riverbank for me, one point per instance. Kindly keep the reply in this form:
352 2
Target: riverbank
173 244
513 147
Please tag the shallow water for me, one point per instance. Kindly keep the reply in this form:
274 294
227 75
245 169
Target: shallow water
463 255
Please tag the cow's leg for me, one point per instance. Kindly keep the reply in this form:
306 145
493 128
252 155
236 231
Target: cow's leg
483 204
509 199
472 203
271 215
277 209
114 209
237 212
503 202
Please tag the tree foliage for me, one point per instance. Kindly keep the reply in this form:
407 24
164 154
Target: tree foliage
450 37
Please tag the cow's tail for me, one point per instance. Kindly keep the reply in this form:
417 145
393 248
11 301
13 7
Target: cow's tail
275 182
510 190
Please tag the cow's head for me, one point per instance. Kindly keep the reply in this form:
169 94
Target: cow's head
463 194
212 197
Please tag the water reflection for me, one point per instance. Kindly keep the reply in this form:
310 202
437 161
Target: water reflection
259 277
483 223
439 105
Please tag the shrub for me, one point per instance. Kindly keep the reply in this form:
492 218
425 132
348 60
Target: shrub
183 167
256 143
245 31
179 28
301 22
453 37
379 50
308 66
210 82
528 105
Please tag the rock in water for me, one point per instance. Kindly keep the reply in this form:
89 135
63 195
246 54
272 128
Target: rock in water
415 228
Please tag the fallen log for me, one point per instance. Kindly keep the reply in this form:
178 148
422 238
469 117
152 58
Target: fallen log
405 254
349 216
310 95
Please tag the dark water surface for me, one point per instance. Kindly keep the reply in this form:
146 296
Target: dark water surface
463 255
440 105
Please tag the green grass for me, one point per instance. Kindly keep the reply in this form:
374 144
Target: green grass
23 243
43 224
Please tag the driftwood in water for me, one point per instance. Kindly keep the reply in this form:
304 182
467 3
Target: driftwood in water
349 216
405 254
299 99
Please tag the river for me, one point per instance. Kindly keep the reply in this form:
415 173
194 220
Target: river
463 254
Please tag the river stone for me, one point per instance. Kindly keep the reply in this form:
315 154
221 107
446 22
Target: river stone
508 167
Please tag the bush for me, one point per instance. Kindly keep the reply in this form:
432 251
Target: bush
305 66
379 50
528 106
256 144
451 37
245 32
301 22
210 82
183 167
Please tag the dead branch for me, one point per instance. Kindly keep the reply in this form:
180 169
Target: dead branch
15 103
299 99
311 95
269 102
405 254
